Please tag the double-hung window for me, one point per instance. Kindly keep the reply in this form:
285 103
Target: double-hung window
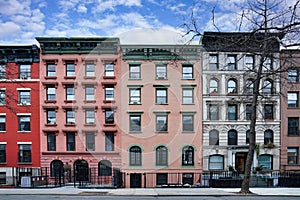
213 112
51 141
89 69
161 122
293 126
293 75
24 123
161 95
187 95
109 116
213 62
249 62
70 141
51 116
187 122
90 93
90 141
292 99
70 117
2 123
232 112
70 93
51 93
109 141
90 116
135 122
187 71
24 71
268 111
134 71
51 69
2 71
24 153
24 97
135 95
109 69
2 96
70 69
3 153
293 155
135 156
161 71
231 62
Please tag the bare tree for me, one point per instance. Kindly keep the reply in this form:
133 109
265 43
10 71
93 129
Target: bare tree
265 21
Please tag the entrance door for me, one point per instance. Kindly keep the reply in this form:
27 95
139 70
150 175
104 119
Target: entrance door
240 162
135 180
81 169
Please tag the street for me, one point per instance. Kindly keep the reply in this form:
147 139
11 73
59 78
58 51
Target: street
80 197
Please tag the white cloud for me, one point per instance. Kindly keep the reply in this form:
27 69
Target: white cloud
9 29
82 9
111 4
178 8
13 7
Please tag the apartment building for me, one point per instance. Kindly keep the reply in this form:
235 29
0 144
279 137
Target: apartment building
161 115
79 109
19 113
230 61
290 88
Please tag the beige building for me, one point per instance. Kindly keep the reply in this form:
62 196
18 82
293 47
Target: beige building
161 115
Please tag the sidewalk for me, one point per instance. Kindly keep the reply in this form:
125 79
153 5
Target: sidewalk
70 190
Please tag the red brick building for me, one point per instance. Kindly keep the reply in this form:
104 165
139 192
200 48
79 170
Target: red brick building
19 112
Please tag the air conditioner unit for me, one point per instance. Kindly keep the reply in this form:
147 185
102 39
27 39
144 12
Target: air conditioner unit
24 103
23 76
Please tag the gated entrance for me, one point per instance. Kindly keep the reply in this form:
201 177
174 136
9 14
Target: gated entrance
81 171
135 180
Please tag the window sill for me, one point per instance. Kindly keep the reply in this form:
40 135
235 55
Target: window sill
135 166
69 77
50 125
89 101
134 79
3 163
108 101
71 125
188 104
2 131
89 124
89 77
50 77
50 101
135 132
188 166
135 104
161 132
293 135
188 131
70 101
161 104
20 104
109 124
161 79
109 77
24 131
188 79
25 163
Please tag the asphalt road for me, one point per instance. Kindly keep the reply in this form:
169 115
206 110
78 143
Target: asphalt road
78 197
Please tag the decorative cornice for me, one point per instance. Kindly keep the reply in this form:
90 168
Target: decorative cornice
19 54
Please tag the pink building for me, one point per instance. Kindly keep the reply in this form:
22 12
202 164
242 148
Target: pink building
79 135
161 115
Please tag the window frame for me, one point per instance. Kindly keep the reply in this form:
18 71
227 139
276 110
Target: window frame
51 116
2 123
70 141
232 139
185 126
2 96
159 97
187 156
213 89
135 71
90 69
293 121
135 127
232 89
27 150
219 162
109 142
2 71
24 71
70 93
232 116
293 101
133 97
268 137
70 69
293 77
214 137
109 93
161 72
211 113
51 141
231 64
161 158
109 69
2 153
292 155
27 123
89 93
90 141
187 99
159 126
51 69
90 116
70 117
189 74
24 97
109 116
270 114
135 156
51 93
213 62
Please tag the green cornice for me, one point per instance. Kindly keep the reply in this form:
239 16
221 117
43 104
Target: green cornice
161 52
19 54
74 45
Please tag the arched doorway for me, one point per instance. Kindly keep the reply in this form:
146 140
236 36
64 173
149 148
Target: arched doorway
57 172
81 170
105 172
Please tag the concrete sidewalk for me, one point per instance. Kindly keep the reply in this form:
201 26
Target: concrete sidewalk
70 190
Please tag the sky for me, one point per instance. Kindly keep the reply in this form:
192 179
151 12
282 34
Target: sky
133 21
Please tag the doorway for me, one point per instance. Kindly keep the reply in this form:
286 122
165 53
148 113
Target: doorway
135 180
240 161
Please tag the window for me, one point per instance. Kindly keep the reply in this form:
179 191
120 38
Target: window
2 71
70 141
24 153
24 97
135 156
161 96
249 86
161 179
293 126
24 71
268 137
231 62
266 161
187 95
293 155
70 117
2 123
161 71
51 69
213 62
24 123
248 111
247 136
109 141
188 155
161 156
51 142
293 75
90 116
90 141
267 64
135 123
187 71
70 93
135 96
249 62
232 86
232 137
109 116
161 122
2 153
51 116
70 69
2 97
89 69
213 137
213 86
292 99
109 69
268 86
232 112
187 122
268 112
89 93
109 93
51 93
213 112
216 162
104 168
135 71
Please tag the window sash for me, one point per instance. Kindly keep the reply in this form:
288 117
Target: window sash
90 117
70 69
51 142
90 141
51 69
89 69
293 126
187 72
213 112
216 162
70 141
90 93
292 100
2 97
135 96
24 153
161 96
161 123
161 156
293 155
161 72
188 96
109 117
51 117
24 97
70 117
135 156
2 71
213 62
109 70
188 156
135 123
25 71
293 75
232 112
109 93
134 71
24 123
188 123
109 141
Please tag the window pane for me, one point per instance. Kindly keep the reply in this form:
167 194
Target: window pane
188 123
293 155
161 123
216 162
135 123
109 141
292 99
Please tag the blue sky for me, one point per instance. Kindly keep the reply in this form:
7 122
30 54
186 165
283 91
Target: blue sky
134 21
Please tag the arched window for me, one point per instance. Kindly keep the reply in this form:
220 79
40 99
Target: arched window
135 156
161 156
213 137
188 155
266 161
268 137
57 168
232 86
232 137
216 162
268 86
249 86
213 86
104 168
